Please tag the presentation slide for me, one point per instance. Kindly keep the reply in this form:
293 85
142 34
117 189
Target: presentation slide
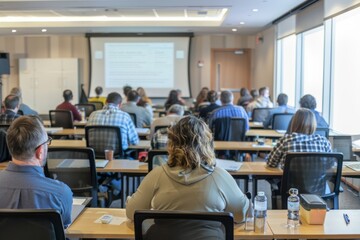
158 64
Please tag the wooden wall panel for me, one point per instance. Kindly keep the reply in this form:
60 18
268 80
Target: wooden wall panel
38 47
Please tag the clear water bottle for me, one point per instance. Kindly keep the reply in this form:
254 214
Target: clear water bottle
82 113
249 223
260 212
293 206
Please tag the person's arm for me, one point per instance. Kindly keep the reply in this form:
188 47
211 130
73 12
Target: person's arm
141 199
76 114
133 137
236 201
67 205
274 157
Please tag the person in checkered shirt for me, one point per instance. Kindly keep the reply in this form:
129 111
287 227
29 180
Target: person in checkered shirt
300 139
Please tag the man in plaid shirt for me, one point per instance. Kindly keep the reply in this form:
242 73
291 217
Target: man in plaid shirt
111 115
300 139
12 104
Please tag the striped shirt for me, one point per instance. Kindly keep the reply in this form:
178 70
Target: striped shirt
296 142
111 115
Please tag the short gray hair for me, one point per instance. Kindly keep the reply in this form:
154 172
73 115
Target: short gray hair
24 136
176 109
226 97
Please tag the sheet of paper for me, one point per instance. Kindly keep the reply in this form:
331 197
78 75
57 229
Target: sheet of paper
78 201
228 165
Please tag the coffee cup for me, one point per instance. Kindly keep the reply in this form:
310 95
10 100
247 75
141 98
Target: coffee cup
109 154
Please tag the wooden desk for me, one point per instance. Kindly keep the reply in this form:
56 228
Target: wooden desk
256 125
67 143
333 228
84 227
268 133
76 123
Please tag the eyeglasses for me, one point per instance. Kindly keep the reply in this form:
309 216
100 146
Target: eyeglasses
48 142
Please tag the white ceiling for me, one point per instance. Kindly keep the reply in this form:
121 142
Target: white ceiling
86 16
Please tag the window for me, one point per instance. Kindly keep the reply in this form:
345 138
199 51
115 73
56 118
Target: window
313 64
286 62
345 112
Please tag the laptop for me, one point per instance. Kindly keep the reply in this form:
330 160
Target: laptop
77 163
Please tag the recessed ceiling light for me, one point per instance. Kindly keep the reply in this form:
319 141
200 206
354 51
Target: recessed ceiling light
255 10
14 30
234 29
242 23
43 30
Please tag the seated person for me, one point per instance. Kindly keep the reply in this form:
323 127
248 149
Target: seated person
212 97
12 104
245 98
263 101
282 100
308 101
143 117
23 184
201 99
173 98
190 180
174 114
98 97
67 105
145 101
25 109
301 138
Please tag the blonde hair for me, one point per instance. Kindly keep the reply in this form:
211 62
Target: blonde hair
303 122
190 143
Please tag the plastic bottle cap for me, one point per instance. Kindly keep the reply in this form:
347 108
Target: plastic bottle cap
260 193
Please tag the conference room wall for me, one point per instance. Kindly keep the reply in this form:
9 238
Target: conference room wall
76 46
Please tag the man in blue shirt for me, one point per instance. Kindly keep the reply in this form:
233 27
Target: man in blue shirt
23 183
228 109
282 101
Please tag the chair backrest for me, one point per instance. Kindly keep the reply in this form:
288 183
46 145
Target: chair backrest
280 121
157 158
133 118
61 118
39 224
315 173
75 167
160 126
4 126
4 150
104 137
183 225
237 129
88 107
260 114
322 132
343 144
98 105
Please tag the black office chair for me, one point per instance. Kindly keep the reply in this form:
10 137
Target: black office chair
322 132
260 114
315 173
98 105
180 225
4 150
39 224
280 121
157 158
134 120
160 127
104 137
61 118
4 126
88 107
75 167
162 113
228 129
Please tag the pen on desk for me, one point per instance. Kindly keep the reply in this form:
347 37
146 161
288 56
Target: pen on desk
346 218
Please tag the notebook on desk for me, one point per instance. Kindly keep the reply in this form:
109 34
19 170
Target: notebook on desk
79 163
228 165
353 165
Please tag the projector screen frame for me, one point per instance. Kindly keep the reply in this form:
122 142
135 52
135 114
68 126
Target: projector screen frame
173 34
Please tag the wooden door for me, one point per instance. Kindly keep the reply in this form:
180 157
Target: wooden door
230 70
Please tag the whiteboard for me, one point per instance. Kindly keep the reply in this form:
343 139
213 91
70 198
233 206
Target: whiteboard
43 80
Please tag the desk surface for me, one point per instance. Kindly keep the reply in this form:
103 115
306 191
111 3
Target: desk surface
333 228
142 132
247 168
84 227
